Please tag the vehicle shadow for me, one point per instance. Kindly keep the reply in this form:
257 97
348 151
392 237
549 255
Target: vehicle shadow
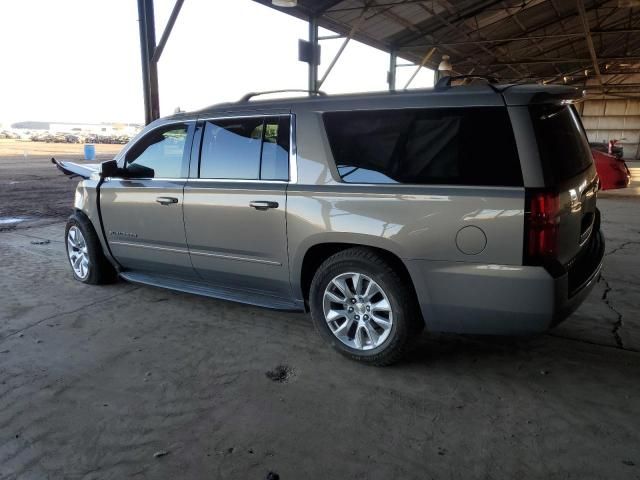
537 353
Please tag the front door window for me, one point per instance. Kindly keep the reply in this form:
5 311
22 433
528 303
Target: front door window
160 154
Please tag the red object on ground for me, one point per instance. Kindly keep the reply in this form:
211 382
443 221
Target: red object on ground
613 172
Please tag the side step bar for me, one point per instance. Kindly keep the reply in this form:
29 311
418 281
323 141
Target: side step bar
221 293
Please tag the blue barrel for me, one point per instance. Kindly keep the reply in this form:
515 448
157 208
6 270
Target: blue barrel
89 151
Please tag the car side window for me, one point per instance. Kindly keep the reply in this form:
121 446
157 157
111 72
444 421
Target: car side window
246 149
159 154
457 146
275 149
231 149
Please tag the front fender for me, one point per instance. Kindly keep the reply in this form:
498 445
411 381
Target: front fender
86 201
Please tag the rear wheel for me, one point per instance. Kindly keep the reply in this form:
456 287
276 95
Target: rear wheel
84 251
363 307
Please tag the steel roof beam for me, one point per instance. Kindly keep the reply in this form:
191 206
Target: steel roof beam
167 30
354 29
494 40
574 76
326 6
543 26
461 17
410 26
424 61
573 72
533 61
518 39
446 22
573 40
589 40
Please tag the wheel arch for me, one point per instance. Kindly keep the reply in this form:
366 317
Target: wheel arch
317 252
99 233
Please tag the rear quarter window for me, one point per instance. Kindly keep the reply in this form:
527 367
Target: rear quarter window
464 146
562 144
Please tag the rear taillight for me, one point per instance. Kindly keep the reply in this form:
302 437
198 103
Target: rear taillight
541 227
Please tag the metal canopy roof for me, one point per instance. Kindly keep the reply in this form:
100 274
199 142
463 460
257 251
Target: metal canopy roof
595 43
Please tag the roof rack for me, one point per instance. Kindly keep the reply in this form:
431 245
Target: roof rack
250 95
445 82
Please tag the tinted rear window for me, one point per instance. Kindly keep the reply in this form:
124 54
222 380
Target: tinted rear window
466 146
563 146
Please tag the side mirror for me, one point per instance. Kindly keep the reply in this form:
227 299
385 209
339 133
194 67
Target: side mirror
110 169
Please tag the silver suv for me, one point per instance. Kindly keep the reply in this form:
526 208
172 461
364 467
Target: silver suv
466 209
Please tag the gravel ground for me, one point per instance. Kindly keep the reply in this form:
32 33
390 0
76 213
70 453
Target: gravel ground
125 381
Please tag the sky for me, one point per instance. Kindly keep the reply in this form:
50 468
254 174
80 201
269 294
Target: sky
79 60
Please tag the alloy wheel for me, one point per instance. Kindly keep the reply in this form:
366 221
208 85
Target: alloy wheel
78 252
357 311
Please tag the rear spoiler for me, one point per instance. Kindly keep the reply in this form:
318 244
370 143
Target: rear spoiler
75 169
535 94
521 93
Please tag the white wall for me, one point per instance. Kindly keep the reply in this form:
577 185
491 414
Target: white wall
613 117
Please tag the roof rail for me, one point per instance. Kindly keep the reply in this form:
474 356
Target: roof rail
445 82
250 95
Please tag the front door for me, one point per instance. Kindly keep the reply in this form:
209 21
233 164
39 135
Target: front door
142 213
235 211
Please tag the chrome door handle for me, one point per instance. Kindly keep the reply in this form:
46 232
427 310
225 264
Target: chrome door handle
166 200
263 205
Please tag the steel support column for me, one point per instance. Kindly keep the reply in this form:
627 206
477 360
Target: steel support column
313 65
149 67
150 54
391 75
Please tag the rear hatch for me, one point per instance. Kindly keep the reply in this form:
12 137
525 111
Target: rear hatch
562 217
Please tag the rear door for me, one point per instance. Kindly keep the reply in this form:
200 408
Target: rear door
568 169
235 207
142 212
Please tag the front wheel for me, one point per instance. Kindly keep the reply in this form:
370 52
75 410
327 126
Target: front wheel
84 252
363 307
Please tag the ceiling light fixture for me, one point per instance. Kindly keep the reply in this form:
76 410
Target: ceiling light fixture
285 3
445 65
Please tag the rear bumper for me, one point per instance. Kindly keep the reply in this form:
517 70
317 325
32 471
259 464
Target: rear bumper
502 299
573 286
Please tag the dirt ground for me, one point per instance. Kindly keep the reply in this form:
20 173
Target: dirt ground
31 187
125 381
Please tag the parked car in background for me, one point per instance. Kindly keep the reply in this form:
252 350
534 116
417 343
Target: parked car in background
612 147
48 137
9 135
380 214
74 138
612 170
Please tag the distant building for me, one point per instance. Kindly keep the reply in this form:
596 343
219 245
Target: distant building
31 125
95 128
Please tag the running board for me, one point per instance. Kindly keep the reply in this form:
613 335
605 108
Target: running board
206 290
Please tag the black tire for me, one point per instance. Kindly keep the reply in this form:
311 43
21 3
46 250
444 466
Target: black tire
407 321
100 269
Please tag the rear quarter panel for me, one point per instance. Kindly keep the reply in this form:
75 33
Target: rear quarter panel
413 222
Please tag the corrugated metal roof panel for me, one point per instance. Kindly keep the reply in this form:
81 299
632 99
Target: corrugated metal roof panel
559 48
